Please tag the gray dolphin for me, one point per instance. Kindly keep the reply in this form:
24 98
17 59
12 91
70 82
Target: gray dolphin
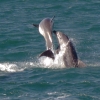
68 51
45 29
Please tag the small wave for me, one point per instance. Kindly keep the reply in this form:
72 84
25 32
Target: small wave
95 64
15 67
58 96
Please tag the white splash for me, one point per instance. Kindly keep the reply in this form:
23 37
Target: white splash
8 67
16 66
43 62
47 62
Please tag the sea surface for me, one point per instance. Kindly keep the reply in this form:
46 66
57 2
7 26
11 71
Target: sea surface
22 76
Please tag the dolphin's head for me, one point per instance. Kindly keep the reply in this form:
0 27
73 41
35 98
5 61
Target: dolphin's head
62 38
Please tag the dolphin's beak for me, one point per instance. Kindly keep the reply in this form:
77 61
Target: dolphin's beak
35 25
54 32
52 18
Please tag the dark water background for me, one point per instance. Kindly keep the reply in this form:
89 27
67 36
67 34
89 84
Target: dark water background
21 75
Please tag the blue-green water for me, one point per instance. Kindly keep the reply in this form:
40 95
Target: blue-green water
22 77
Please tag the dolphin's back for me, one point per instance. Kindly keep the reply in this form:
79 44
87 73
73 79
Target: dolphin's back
74 55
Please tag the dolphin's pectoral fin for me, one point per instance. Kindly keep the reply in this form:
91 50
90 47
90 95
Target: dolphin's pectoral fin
36 25
47 53
81 64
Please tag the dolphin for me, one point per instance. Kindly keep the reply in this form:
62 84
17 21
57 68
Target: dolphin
67 50
45 29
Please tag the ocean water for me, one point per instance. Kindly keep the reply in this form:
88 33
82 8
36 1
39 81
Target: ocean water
22 76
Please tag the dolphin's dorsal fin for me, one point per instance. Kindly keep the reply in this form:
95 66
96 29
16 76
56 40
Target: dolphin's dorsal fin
47 53
36 25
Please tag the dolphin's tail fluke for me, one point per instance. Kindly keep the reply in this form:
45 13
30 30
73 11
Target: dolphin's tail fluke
47 53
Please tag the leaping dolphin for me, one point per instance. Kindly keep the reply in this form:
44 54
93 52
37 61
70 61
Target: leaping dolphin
67 51
45 29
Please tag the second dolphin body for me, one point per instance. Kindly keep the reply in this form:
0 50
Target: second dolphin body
66 50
